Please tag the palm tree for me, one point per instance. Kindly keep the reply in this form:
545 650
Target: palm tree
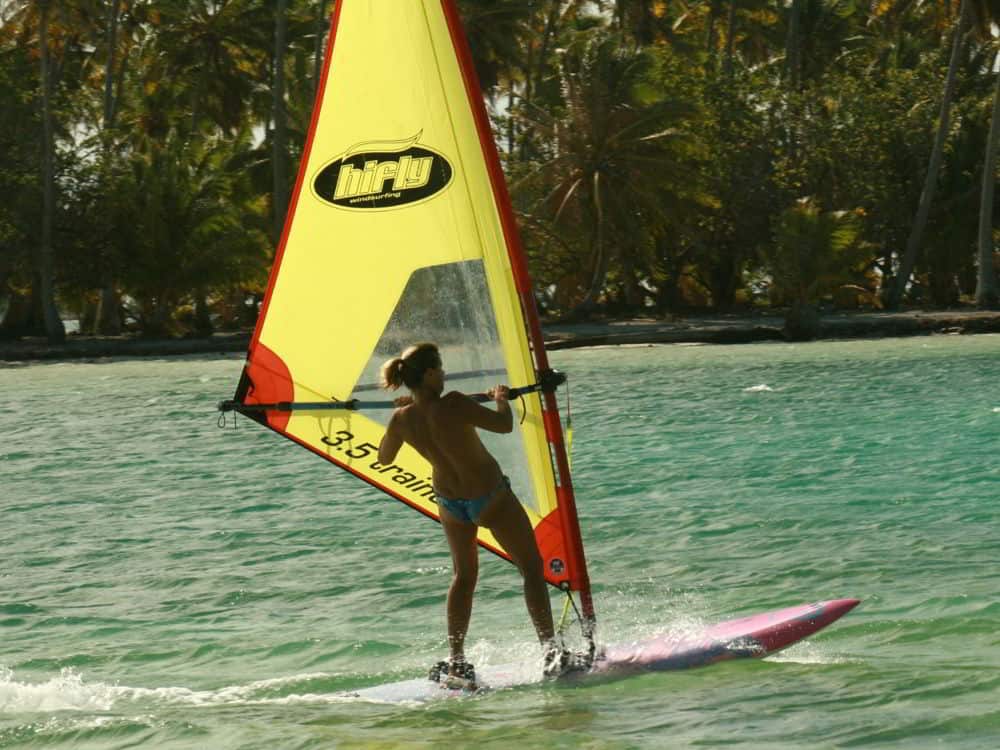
793 45
216 50
987 13
322 22
909 257
536 80
814 252
891 36
987 296
640 18
182 209
212 52
107 320
613 160
496 30
45 268
20 124
279 140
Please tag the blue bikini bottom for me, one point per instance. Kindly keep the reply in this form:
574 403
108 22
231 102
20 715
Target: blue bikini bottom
468 509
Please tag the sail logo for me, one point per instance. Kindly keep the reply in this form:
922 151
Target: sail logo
383 174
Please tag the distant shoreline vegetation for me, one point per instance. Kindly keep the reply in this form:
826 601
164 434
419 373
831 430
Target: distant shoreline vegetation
703 329
665 159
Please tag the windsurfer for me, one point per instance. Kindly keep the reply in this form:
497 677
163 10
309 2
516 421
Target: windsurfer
471 490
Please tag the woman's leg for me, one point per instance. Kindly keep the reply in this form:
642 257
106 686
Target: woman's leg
505 517
465 563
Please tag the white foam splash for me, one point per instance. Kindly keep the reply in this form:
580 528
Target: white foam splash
762 388
67 692
230 695
807 652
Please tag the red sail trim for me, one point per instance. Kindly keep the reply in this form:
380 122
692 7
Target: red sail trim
270 383
579 579
552 547
300 179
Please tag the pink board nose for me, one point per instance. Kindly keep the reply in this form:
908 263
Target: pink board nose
754 637
792 626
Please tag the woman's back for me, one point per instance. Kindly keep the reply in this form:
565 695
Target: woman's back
444 432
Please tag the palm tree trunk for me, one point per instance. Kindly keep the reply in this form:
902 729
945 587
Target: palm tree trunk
511 129
534 72
321 24
793 46
620 14
727 67
107 321
801 321
793 75
986 285
909 258
280 139
54 329
711 42
18 318
601 259
672 266
109 66
634 295
202 316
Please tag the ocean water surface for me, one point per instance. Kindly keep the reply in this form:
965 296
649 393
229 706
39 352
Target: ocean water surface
167 583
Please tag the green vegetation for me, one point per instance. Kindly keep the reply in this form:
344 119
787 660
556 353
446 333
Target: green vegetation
664 157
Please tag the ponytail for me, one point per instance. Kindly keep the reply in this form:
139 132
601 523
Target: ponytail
409 369
392 374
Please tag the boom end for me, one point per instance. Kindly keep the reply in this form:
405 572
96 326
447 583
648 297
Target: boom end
550 379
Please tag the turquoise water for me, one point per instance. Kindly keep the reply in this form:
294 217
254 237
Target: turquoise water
166 583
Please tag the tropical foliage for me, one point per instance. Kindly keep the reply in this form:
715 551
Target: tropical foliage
664 157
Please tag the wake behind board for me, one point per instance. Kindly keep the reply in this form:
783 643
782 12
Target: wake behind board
748 637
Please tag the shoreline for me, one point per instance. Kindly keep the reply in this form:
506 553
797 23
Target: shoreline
736 328
746 328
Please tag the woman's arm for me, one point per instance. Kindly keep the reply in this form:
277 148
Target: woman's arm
501 420
392 440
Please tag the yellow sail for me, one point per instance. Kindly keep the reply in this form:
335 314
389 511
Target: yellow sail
395 235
